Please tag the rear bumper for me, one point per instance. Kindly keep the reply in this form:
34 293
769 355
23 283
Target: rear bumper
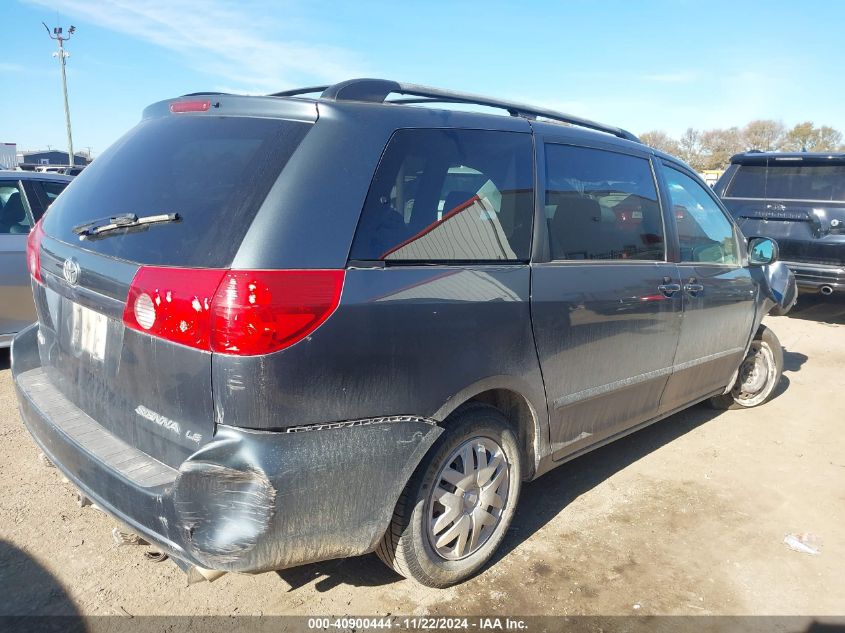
246 501
814 276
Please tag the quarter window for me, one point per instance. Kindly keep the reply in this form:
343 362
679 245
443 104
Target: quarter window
601 205
449 195
704 232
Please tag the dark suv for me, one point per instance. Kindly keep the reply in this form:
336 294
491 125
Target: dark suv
275 330
799 200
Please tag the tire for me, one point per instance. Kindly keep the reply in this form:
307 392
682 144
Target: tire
758 375
439 547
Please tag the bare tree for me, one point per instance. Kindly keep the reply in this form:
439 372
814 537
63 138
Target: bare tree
828 139
689 148
661 141
764 134
807 137
717 147
712 149
802 138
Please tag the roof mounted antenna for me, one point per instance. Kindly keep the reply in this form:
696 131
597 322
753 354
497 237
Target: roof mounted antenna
377 91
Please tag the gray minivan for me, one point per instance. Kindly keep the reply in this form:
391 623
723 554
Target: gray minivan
282 329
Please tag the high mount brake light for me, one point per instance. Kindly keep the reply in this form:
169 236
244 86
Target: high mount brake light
190 106
33 251
237 312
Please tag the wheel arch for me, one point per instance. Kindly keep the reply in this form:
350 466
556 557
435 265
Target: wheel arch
528 418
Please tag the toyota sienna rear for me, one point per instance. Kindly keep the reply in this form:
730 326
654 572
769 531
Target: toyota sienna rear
283 329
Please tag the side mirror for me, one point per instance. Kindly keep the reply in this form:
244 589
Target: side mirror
762 251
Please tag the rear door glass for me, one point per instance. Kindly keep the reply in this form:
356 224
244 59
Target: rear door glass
42 194
14 219
213 171
449 195
601 205
789 182
52 189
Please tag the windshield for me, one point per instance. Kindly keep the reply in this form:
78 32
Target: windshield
214 172
789 182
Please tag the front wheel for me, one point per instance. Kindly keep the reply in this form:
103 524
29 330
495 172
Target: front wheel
759 374
456 508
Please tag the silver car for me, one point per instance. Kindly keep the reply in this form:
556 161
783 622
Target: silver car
24 196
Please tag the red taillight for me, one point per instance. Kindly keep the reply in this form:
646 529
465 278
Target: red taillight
173 303
262 311
190 106
33 251
232 312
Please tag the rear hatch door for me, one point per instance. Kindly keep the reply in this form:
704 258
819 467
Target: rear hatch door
798 201
206 172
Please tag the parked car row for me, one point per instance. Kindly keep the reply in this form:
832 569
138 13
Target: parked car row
66 170
348 324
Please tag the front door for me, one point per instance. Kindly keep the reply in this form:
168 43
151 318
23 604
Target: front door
718 292
606 308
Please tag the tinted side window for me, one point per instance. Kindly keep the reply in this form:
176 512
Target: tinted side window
53 189
44 191
13 216
704 233
749 181
449 195
601 205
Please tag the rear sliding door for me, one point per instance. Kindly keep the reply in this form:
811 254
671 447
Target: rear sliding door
607 307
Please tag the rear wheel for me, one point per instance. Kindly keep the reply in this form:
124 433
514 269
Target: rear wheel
759 374
456 508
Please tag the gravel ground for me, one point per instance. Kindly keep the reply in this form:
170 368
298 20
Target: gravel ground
685 517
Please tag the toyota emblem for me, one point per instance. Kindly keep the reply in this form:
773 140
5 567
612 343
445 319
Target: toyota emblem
70 271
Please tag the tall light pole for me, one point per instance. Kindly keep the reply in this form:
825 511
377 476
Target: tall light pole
61 54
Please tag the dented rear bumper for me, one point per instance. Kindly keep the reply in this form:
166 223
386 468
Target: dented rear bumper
246 501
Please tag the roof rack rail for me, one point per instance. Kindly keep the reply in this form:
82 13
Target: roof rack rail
377 91
298 91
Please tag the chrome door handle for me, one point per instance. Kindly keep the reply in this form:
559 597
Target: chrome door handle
692 287
669 289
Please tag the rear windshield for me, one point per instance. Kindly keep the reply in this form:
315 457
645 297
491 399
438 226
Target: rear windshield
789 182
213 171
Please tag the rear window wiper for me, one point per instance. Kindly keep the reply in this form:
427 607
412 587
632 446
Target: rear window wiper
121 221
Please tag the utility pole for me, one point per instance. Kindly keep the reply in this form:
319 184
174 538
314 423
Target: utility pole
62 55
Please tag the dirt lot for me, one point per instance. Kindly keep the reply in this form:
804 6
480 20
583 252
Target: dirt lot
685 517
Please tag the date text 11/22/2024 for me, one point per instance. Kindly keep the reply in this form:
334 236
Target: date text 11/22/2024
419 623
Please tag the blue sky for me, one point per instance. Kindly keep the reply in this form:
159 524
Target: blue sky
641 65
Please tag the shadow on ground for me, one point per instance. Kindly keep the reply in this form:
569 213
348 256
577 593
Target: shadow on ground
5 360
792 361
31 598
815 307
